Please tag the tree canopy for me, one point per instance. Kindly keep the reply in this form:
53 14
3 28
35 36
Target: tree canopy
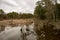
40 11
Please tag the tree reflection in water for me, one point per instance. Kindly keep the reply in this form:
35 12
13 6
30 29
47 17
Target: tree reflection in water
2 28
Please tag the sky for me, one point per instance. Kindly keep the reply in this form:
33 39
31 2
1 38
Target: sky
24 6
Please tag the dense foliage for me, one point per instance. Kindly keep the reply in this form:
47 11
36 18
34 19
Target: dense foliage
14 15
58 11
45 9
39 11
49 11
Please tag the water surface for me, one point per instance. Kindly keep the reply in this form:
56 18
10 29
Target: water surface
14 33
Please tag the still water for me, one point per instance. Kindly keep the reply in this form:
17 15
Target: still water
15 33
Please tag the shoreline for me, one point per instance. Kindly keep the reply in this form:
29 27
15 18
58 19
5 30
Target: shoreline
16 21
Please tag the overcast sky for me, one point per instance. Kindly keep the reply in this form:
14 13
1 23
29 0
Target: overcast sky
18 5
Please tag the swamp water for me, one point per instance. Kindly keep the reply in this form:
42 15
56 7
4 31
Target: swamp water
14 33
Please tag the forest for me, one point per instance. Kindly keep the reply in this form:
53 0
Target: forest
14 15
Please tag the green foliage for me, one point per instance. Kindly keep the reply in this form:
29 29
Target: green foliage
14 15
58 11
40 11
1 11
26 15
2 15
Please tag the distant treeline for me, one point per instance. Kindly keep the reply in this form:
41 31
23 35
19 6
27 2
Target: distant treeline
14 15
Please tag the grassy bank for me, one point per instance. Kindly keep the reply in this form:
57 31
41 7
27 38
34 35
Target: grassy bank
16 21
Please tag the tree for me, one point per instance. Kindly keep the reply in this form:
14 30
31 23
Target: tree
26 15
58 11
49 5
1 11
12 15
39 11
2 14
